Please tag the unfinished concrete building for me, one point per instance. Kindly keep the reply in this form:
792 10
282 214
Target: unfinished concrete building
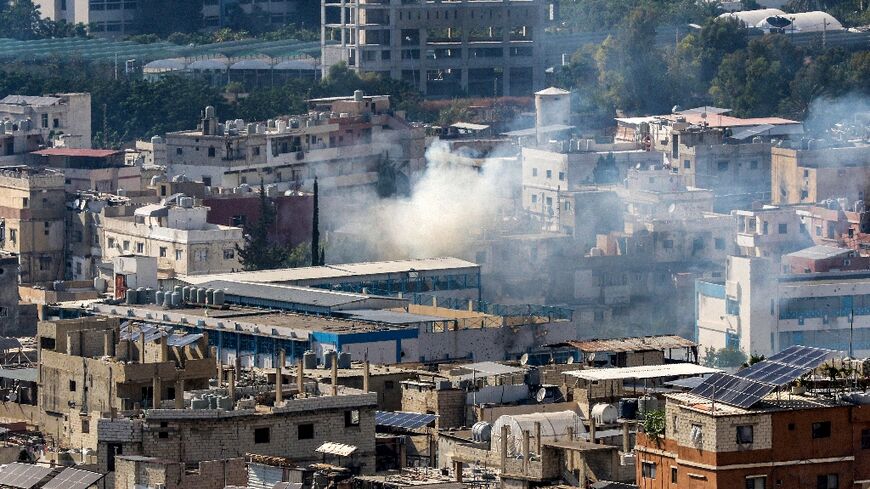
484 48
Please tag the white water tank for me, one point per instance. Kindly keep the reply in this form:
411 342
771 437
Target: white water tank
604 413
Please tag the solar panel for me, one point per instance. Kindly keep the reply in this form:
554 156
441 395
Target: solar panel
73 479
408 421
733 390
183 340
23 476
786 366
802 356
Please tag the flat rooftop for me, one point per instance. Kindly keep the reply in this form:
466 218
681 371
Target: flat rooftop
777 401
337 271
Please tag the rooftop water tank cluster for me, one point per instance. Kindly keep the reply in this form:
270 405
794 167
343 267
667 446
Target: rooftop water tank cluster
177 297
212 401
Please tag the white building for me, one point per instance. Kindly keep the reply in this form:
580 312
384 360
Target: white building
177 234
760 311
29 123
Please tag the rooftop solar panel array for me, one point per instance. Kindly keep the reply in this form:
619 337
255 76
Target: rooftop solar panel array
408 421
732 390
72 478
23 476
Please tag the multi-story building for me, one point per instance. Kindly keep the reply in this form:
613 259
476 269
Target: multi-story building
488 47
176 233
759 310
114 18
32 225
31 123
810 176
345 142
103 170
770 232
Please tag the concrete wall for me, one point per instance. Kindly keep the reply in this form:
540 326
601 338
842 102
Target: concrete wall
134 472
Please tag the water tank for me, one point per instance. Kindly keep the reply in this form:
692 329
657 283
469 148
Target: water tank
328 359
177 288
344 360
200 295
156 140
209 112
270 123
358 95
224 402
167 299
212 402
240 124
10 127
251 128
628 408
158 297
100 285
294 123
58 286
130 296
281 125
219 297
175 299
199 404
185 293
552 106
646 404
604 413
149 296
209 296
309 360
186 202
481 432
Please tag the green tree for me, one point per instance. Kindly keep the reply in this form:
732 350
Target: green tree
654 424
258 252
20 19
315 249
717 38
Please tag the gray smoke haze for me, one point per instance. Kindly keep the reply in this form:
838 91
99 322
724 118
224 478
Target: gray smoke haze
449 206
843 118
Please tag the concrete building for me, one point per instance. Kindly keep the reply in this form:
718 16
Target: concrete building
28 122
347 143
102 170
760 311
33 202
821 258
176 233
483 48
811 176
770 232
9 309
293 214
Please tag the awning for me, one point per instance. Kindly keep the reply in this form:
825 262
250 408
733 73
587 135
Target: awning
340 449
469 126
644 372
486 369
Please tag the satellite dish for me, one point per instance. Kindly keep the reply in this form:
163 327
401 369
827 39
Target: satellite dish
638 166
569 361
591 357
778 21
672 208
524 360
541 395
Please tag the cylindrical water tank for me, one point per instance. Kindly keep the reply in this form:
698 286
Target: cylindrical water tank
200 295
149 296
209 296
224 402
185 293
130 296
604 413
344 360
167 299
158 297
176 299
481 431
199 404
309 360
219 297
358 95
329 358
141 298
209 111
628 408
100 285
177 288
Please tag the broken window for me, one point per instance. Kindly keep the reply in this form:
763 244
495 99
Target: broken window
351 418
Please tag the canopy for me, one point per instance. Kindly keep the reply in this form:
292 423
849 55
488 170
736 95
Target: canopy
554 427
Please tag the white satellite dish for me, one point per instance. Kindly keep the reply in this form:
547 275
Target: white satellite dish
541 395
672 208
569 361
591 357
524 360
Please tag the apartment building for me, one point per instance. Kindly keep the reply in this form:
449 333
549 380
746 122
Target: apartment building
103 170
116 18
770 231
480 47
346 143
177 234
33 203
811 176
759 310
29 123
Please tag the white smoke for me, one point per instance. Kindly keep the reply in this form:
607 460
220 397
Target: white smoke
449 206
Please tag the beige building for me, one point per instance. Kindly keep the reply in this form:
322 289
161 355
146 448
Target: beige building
809 176
482 47
176 233
28 122
345 142
32 203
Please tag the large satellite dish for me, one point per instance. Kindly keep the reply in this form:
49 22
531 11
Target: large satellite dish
778 21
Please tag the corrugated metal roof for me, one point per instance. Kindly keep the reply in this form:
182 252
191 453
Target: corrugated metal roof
642 372
29 100
637 343
339 449
285 293
820 252
491 368
389 317
76 152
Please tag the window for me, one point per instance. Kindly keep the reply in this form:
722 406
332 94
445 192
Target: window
673 475
25 202
178 151
756 482
229 254
562 176
177 255
72 385
783 228
722 166
648 470
549 174
745 434
211 152
719 243
126 245
549 202
828 481
56 123
86 426
45 121
534 199
668 244
13 235
305 431
534 172
865 439
753 165
110 242
822 429
140 247
687 164
163 252
351 418
46 227
389 385
261 435
791 426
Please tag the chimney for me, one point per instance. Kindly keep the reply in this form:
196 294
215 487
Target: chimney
300 376
279 379
366 376
335 375
179 394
